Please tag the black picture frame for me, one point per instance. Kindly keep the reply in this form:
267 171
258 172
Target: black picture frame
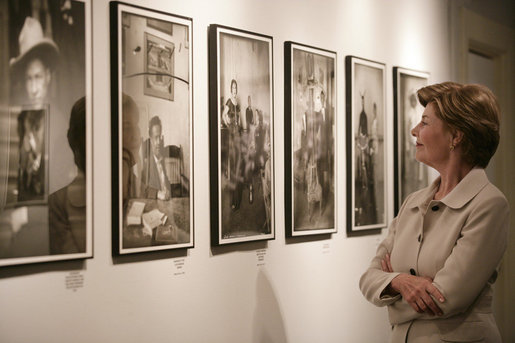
409 174
46 183
151 137
241 150
367 177
310 108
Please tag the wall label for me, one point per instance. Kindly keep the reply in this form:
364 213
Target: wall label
179 266
74 280
260 254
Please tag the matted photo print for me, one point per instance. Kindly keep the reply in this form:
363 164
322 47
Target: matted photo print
410 175
241 135
309 140
46 130
367 190
152 130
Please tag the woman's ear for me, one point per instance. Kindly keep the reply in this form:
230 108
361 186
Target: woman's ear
457 137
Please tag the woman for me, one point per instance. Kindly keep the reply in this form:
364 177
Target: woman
231 118
436 267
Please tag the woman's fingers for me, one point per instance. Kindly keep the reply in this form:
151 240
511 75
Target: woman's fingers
386 264
431 289
417 292
383 266
389 263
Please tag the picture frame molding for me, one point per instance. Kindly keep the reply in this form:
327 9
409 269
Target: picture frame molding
214 31
288 137
350 62
396 73
88 94
116 8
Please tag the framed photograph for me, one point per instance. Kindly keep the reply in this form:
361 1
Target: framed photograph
309 140
159 62
241 135
152 130
367 190
46 130
410 175
27 157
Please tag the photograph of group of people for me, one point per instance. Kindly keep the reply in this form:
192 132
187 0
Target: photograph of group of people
313 92
45 117
155 130
245 138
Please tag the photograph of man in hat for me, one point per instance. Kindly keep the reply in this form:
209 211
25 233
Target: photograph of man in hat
34 65
44 57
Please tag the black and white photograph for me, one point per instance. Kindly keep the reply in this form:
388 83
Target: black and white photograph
241 136
366 144
309 140
27 156
46 127
410 175
159 56
152 130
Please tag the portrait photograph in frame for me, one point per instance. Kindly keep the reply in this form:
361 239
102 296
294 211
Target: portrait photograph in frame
159 62
309 140
366 138
152 136
241 135
46 122
409 174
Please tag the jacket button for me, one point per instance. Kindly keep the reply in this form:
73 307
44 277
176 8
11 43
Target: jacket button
435 208
419 238
412 272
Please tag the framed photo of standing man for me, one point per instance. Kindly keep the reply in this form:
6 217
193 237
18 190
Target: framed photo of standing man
241 135
367 178
46 120
410 175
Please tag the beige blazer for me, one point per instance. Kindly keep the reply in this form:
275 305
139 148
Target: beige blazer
458 242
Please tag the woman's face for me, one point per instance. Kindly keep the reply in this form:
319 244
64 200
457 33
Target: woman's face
234 89
433 139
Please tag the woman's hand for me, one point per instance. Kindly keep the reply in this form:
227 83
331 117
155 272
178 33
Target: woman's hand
386 265
416 290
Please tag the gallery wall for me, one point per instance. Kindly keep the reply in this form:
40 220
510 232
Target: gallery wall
283 290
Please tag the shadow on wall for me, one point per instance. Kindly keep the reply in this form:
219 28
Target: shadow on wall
268 326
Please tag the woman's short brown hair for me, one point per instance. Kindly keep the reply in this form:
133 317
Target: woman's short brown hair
473 110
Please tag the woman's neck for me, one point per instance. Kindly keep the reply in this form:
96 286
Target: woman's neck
449 178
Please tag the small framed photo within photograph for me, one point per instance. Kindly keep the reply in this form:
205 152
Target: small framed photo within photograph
27 151
241 135
410 175
159 62
46 133
152 130
310 140
367 180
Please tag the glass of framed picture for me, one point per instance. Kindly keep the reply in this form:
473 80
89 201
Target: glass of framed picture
309 140
152 130
410 175
367 180
46 130
241 135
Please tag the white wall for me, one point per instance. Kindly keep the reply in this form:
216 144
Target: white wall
305 290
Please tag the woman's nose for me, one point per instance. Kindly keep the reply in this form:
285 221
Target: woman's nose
414 131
